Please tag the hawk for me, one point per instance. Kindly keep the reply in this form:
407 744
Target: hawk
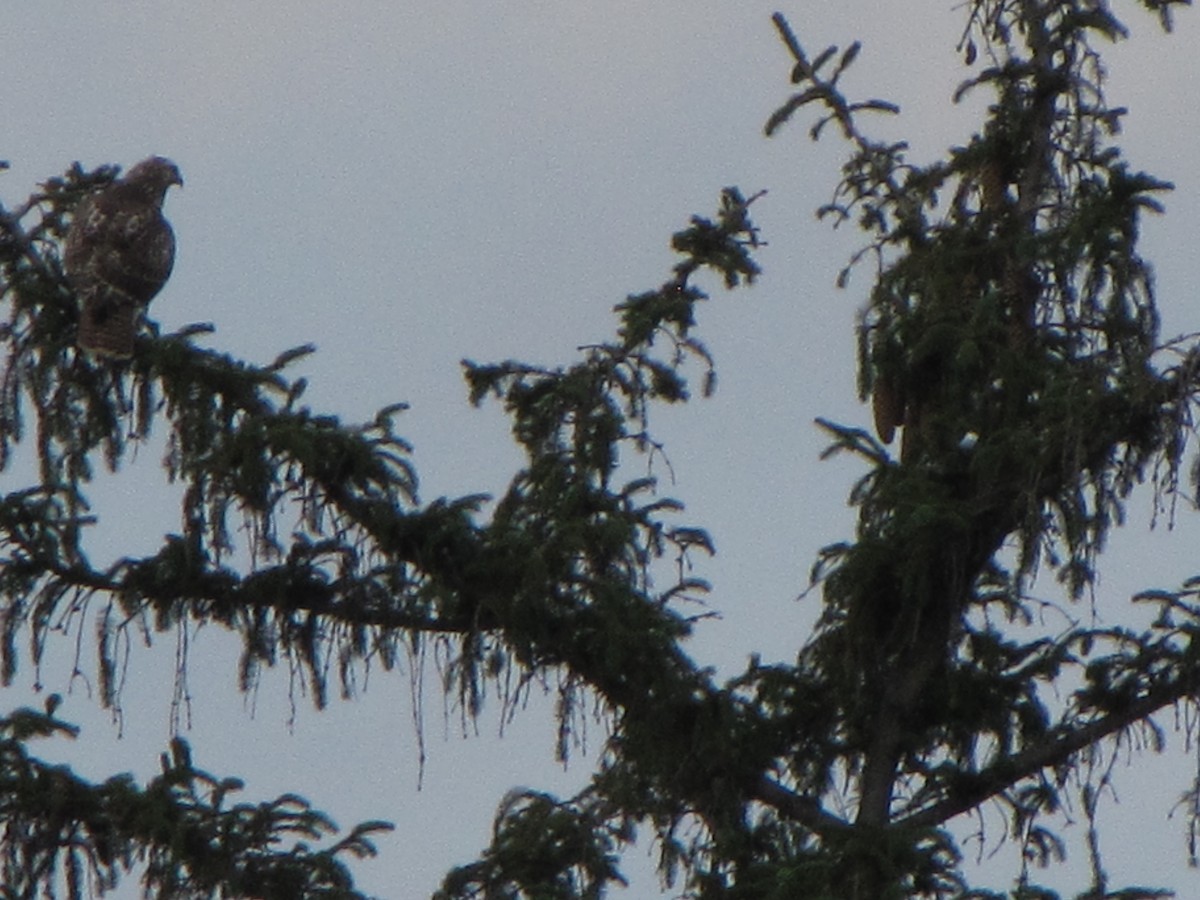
118 254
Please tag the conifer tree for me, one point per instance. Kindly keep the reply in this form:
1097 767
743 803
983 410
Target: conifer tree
1010 343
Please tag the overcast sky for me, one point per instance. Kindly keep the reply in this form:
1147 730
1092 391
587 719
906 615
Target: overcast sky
409 184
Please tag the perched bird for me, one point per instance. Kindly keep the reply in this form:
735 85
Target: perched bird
118 255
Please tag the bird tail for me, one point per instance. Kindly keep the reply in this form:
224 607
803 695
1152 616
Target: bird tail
107 324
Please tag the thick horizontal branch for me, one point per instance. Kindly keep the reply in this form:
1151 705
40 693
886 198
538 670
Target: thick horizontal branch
1055 750
798 808
275 588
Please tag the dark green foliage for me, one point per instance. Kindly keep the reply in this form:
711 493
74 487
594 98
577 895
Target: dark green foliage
1014 316
1011 315
558 578
59 828
543 848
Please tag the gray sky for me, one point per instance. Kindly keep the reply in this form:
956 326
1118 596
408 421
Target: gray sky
410 184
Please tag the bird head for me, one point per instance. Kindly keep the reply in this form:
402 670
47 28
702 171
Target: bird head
156 174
